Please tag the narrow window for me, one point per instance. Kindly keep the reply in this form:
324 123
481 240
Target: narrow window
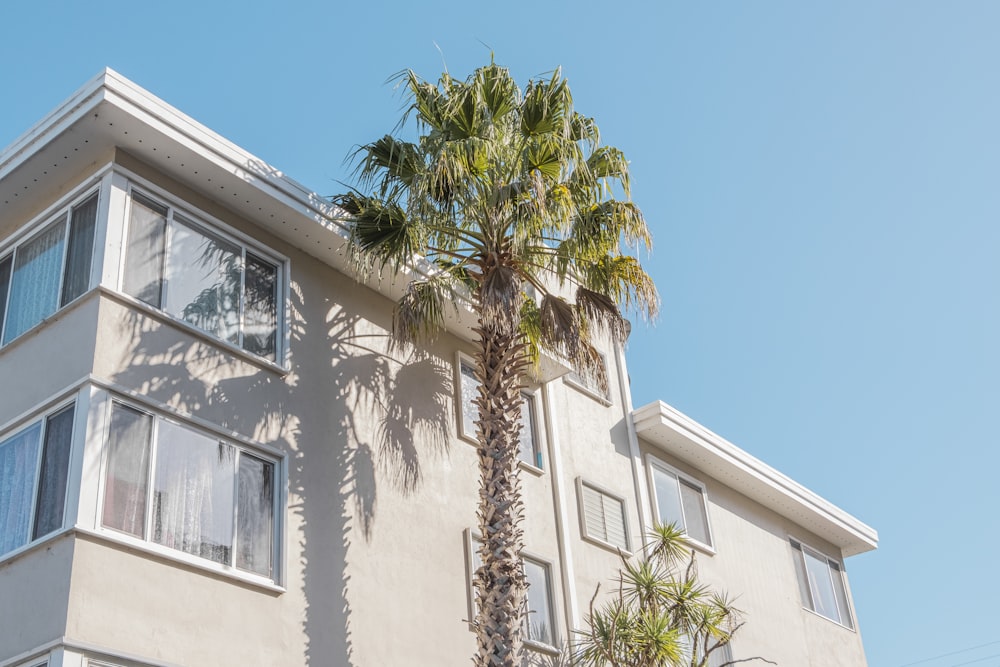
127 472
34 467
529 448
470 391
603 517
681 501
5 265
80 252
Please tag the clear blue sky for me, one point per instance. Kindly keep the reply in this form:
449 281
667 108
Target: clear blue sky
821 179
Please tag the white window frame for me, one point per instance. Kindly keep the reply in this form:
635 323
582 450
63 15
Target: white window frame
200 220
472 541
581 484
655 462
269 454
831 563
40 415
532 404
38 225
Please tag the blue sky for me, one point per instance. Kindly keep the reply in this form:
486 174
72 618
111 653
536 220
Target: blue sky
820 179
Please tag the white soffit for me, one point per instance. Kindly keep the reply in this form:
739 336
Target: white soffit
111 112
681 437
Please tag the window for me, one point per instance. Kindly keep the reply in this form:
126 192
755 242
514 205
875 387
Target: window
603 516
183 489
47 271
539 622
529 450
590 380
213 283
681 501
722 655
34 465
821 583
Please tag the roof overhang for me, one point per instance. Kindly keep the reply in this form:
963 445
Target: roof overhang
110 112
678 435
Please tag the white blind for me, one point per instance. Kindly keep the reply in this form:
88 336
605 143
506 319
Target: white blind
604 517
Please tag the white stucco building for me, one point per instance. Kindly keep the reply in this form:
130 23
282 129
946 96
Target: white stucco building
210 455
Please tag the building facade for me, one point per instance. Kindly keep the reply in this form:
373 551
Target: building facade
210 454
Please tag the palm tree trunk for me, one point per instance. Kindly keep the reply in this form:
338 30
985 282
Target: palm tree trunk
500 582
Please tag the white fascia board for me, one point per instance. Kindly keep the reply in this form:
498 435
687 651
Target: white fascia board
684 438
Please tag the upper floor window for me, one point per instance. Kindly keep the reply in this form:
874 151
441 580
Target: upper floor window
590 380
201 277
186 490
680 500
529 446
48 270
34 463
821 583
603 516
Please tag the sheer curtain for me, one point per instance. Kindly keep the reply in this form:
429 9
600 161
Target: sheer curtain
194 493
127 477
34 291
18 462
254 515
147 233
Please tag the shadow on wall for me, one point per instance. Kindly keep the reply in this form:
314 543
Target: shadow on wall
348 415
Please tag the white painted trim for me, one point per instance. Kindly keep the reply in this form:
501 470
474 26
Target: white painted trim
669 430
805 546
460 359
655 462
642 491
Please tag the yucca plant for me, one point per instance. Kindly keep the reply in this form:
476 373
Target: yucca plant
507 202
660 614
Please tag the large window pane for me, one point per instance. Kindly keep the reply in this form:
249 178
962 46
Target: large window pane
470 391
127 476
840 590
821 586
254 515
147 235
34 291
193 495
538 622
667 498
81 249
203 281
18 465
260 310
51 500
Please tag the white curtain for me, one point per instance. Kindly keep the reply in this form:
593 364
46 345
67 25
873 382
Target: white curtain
18 462
34 291
254 515
194 493
127 476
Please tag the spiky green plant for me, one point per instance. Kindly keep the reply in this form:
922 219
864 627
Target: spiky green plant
509 202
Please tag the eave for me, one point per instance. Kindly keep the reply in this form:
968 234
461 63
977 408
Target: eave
678 435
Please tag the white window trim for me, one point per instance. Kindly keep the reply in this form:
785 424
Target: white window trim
847 591
37 225
627 550
40 413
471 538
461 359
198 218
279 501
653 461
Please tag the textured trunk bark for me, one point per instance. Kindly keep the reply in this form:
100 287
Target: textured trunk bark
500 583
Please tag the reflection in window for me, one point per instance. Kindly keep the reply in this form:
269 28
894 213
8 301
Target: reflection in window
212 283
681 501
204 497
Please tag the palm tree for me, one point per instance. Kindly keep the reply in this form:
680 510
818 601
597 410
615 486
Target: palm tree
508 202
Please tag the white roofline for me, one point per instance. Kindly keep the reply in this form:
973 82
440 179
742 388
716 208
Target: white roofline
854 535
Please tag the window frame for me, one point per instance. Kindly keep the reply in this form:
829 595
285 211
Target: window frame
41 416
531 403
59 214
653 462
472 540
832 564
277 459
582 384
581 484
211 227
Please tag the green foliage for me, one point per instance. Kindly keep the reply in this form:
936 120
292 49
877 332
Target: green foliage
660 615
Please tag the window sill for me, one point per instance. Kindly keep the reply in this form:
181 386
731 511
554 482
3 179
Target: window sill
596 541
541 648
26 549
534 470
587 391
700 547
827 618
167 318
179 557
54 317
